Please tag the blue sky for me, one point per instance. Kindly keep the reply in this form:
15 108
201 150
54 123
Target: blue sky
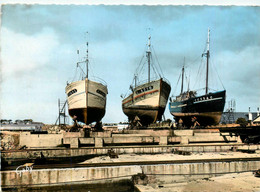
39 45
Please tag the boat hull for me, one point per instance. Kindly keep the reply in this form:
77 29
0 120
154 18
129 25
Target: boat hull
206 108
86 100
147 102
87 115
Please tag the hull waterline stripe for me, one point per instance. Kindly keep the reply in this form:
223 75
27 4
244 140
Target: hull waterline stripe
196 114
141 95
179 106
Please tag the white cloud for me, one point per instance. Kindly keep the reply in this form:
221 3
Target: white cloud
21 53
28 91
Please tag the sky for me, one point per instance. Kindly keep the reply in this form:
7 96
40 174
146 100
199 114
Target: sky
39 46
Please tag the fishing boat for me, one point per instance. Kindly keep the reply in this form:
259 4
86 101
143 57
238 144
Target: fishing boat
206 109
147 101
86 98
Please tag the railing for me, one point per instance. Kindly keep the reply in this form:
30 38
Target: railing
99 80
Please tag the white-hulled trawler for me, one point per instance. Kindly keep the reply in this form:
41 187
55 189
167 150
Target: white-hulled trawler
86 98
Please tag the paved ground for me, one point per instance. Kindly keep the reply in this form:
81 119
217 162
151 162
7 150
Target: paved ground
170 156
241 182
238 182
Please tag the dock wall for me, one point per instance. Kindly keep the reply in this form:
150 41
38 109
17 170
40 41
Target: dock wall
96 151
176 171
133 137
40 140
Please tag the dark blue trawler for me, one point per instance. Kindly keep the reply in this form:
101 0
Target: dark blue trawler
188 108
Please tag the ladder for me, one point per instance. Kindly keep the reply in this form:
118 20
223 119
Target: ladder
61 120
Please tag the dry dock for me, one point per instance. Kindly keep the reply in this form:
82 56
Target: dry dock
143 169
135 160
17 156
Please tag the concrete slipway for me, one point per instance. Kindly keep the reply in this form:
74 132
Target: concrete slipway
146 157
137 169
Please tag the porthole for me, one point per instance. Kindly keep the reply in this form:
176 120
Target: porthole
72 92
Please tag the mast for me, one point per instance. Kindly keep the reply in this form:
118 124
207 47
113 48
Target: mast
135 80
207 68
86 81
182 76
189 84
148 55
87 61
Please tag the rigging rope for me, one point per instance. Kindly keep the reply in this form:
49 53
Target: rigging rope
158 62
198 74
138 68
201 64
219 77
90 68
82 72
75 74
176 84
153 66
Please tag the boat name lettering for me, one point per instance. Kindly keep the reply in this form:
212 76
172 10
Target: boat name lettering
72 92
144 89
101 92
203 98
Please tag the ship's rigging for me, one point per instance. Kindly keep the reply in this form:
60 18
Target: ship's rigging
150 62
209 76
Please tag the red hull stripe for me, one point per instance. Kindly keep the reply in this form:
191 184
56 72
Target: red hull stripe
141 95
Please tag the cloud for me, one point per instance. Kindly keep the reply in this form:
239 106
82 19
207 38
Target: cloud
68 20
39 44
65 20
31 82
241 67
240 73
22 54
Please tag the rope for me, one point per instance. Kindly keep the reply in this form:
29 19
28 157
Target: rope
176 84
137 69
74 77
198 73
158 62
155 70
90 68
219 77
